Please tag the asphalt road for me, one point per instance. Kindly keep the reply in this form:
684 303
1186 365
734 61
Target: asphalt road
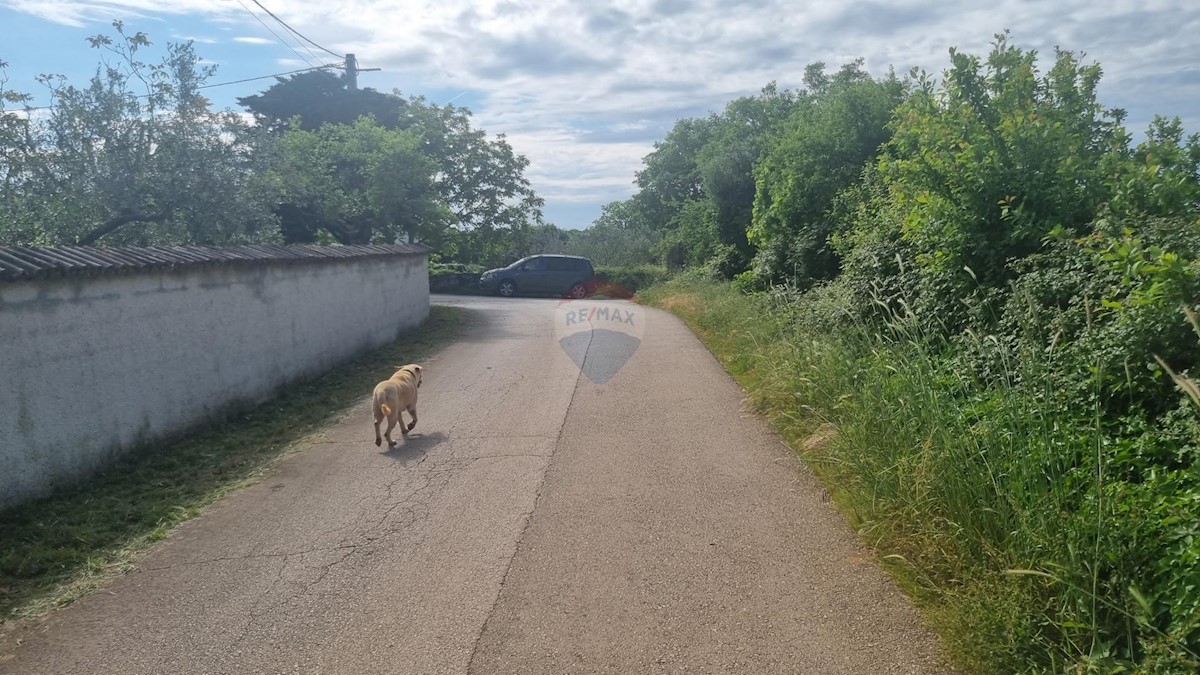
583 494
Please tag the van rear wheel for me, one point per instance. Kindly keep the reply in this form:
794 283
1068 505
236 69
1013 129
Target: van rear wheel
577 292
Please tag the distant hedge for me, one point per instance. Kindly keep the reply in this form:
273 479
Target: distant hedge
623 281
453 277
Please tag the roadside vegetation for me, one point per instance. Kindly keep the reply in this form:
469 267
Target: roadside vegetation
55 549
970 302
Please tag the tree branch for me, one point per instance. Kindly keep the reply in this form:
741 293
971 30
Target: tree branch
127 216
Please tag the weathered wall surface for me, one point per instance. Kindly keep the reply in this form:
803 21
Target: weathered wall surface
91 366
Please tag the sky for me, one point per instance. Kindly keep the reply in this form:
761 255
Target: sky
584 89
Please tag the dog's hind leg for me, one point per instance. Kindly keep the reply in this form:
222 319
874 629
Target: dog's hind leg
392 419
412 410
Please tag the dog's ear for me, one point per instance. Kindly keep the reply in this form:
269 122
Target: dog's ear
416 368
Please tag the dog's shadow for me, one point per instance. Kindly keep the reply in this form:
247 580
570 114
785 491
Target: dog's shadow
413 447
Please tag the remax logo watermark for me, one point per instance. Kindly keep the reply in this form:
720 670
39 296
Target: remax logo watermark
600 336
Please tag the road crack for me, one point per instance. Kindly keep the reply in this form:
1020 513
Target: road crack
528 516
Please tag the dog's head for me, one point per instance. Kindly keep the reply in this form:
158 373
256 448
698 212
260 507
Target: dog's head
412 371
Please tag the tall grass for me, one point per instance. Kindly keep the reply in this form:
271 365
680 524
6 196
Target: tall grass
990 501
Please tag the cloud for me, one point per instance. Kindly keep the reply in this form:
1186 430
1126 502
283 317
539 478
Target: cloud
609 22
878 18
584 89
192 38
80 13
535 56
247 40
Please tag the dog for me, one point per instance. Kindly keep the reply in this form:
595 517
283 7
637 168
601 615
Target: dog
399 392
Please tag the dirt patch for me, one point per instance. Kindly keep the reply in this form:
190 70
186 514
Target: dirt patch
820 440
686 304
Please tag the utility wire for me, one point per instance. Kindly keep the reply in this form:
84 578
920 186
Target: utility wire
203 86
265 77
272 32
294 31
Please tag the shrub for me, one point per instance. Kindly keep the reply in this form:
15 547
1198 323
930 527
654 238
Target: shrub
621 281
453 277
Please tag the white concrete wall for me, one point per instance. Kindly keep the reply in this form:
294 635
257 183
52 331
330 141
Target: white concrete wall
93 366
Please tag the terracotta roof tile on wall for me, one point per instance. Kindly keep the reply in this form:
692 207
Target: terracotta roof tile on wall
18 262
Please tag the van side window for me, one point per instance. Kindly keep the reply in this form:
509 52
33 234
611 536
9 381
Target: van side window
535 265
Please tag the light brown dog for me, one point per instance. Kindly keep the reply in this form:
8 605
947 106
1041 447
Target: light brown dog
399 392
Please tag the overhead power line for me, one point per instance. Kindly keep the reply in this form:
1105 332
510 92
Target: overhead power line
265 77
351 63
207 86
294 31
272 32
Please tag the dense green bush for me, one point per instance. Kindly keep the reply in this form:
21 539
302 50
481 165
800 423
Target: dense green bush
453 277
818 151
436 267
631 278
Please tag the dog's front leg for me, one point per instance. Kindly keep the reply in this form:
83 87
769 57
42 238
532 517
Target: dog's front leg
412 411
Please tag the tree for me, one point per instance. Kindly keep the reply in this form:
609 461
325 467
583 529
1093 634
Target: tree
546 238
671 175
697 186
361 183
108 164
726 164
819 150
480 179
320 97
620 236
984 168
18 152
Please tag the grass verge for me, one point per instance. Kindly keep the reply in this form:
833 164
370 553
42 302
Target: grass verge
750 341
56 549
994 507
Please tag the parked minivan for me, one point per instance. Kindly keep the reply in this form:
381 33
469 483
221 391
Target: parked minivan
561 275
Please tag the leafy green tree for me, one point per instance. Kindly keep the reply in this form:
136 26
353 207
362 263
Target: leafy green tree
696 189
545 238
980 170
693 238
480 179
18 155
726 164
620 236
136 156
819 150
671 176
320 97
1158 178
362 183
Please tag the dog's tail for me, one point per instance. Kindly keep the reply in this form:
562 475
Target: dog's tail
387 412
